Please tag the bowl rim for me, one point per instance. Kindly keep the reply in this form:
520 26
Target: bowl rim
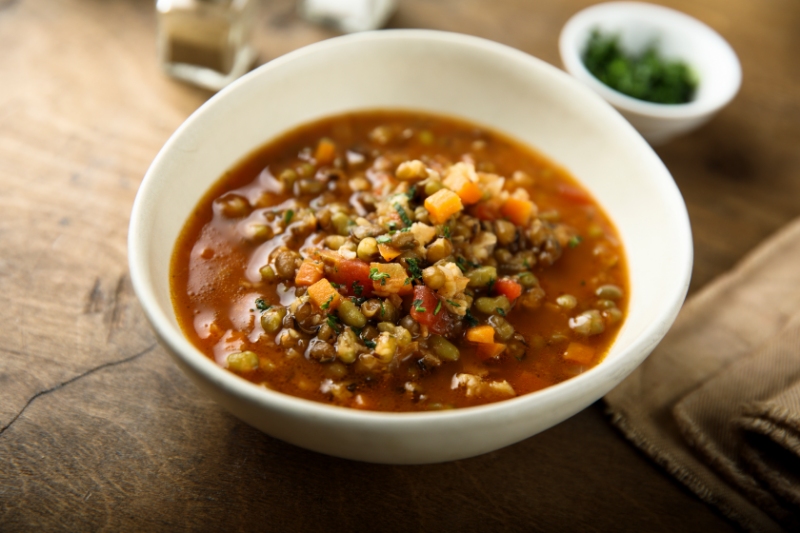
180 347
581 22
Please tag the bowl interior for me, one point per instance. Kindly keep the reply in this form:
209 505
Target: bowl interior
448 74
677 36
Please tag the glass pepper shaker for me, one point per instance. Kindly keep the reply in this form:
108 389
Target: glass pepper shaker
206 42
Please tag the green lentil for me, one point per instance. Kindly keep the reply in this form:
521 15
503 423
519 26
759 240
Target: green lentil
349 314
245 361
481 276
443 348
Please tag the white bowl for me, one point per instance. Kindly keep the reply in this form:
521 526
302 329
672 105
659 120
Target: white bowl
677 36
443 73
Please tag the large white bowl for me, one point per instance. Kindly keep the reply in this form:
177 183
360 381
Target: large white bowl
443 73
677 36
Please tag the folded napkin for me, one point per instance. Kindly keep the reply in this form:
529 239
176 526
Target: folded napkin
717 404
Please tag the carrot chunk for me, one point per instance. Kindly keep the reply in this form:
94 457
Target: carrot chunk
443 204
388 252
490 350
309 273
324 295
579 353
481 334
517 210
468 191
326 152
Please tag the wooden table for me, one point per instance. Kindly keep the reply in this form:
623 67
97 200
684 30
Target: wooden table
100 431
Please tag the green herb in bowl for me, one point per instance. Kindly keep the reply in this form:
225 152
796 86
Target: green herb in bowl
647 77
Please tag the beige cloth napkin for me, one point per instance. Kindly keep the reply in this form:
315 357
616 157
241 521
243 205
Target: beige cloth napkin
717 404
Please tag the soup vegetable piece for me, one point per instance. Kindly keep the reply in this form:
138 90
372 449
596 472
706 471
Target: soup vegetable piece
399 261
647 76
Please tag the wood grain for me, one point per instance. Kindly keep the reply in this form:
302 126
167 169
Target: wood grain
99 430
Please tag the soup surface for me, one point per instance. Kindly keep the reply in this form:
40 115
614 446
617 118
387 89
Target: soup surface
399 261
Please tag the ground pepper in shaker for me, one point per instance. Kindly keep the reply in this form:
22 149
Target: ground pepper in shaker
206 42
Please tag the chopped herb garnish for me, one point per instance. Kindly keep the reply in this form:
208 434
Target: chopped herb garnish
358 288
335 285
471 320
376 275
261 305
413 267
412 192
461 263
438 307
383 310
383 239
333 323
490 286
454 304
417 305
525 263
392 225
446 232
402 213
575 241
500 311
369 344
287 216
327 303
407 281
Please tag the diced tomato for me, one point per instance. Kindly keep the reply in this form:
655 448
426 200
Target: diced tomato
485 210
508 287
574 194
423 310
350 274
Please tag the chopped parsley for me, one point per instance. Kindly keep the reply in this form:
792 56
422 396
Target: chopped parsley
454 304
490 286
417 305
392 225
369 344
574 241
333 323
358 288
407 281
438 307
446 231
471 320
412 192
335 285
461 263
413 267
376 275
500 311
287 216
402 213
261 305
383 239
327 303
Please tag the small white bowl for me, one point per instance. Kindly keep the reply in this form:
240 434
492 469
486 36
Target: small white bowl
677 36
478 80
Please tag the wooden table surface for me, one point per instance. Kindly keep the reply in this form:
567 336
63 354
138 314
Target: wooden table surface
100 431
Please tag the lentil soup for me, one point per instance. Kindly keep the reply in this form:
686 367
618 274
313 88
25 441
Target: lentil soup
399 261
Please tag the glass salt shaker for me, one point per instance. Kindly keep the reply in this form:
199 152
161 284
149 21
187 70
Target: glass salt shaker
348 16
206 42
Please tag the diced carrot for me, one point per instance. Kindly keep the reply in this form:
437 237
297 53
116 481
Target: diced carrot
388 252
443 204
326 152
468 191
507 287
574 194
529 382
490 350
579 353
481 334
352 275
324 295
309 273
517 210
389 278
